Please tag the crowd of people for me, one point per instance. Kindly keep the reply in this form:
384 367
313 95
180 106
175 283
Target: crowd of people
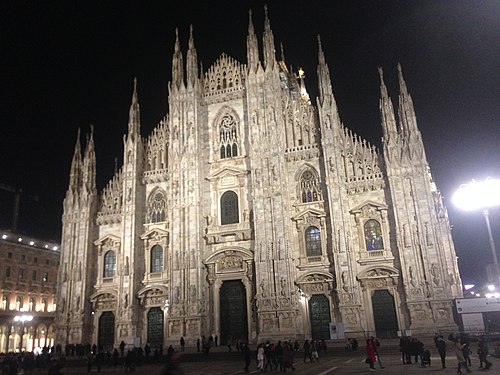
269 356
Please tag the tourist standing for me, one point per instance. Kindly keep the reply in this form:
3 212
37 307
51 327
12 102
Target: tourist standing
247 355
260 357
441 348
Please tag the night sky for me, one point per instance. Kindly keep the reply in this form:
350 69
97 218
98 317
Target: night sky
65 66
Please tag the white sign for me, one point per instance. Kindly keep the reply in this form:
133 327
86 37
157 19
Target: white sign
473 322
477 305
337 331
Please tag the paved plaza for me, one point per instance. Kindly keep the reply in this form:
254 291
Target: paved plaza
335 362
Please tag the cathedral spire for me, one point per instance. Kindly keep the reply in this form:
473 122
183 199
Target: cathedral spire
386 111
303 91
325 85
75 171
252 45
134 121
89 163
406 111
268 41
191 61
177 63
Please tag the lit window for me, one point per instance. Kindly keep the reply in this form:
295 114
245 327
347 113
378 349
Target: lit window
157 259
19 303
373 235
5 299
31 304
109 264
313 242
157 208
309 186
228 137
45 276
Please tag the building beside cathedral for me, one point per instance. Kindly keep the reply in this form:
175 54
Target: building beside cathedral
251 212
28 284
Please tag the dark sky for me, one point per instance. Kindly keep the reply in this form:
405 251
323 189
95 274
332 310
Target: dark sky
68 65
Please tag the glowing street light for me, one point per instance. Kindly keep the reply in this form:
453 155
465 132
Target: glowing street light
480 195
23 319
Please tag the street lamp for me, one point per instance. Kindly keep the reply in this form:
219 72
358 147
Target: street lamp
480 195
23 319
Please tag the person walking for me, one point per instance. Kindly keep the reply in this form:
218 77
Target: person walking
441 348
376 345
370 354
247 355
458 347
183 344
307 351
482 351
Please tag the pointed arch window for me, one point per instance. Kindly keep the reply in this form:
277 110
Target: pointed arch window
31 305
313 242
109 264
19 303
373 235
156 259
5 299
157 208
309 186
228 137
229 212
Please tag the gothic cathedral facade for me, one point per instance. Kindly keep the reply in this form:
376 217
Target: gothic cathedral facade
251 213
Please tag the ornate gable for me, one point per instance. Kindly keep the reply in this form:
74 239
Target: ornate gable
368 209
111 201
154 234
227 172
108 240
225 76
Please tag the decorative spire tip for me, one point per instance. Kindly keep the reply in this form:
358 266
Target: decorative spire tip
381 73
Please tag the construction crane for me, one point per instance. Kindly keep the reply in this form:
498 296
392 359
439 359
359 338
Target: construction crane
17 200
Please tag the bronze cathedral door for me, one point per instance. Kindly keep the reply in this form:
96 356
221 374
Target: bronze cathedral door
106 338
233 312
319 311
384 314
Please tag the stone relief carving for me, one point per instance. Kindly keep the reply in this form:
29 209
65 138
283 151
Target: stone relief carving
435 274
230 262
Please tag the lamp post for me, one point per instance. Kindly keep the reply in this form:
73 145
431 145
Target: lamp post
480 195
23 319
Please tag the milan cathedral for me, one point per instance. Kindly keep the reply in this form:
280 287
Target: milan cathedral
251 212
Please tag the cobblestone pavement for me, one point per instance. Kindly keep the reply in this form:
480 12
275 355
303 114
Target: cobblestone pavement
330 363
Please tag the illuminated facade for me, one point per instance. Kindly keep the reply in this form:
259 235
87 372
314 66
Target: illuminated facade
251 213
28 287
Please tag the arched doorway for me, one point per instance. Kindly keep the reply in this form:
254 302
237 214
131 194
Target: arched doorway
319 313
233 312
155 327
384 314
106 337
